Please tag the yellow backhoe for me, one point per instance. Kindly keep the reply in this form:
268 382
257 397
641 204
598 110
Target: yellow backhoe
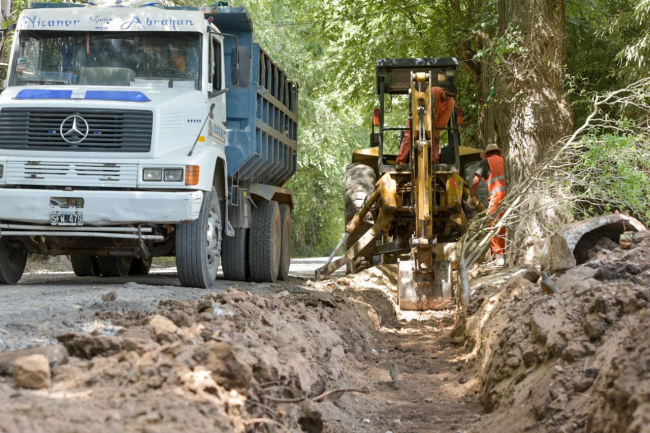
413 213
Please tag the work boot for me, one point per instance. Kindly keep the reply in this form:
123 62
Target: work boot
497 261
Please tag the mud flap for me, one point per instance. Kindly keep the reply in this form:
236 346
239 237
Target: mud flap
412 296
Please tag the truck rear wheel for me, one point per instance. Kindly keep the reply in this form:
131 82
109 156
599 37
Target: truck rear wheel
198 245
140 266
114 266
13 259
359 182
85 266
264 243
285 248
234 257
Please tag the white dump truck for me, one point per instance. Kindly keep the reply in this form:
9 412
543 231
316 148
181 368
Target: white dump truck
128 133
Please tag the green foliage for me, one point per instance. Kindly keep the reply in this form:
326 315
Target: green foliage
613 172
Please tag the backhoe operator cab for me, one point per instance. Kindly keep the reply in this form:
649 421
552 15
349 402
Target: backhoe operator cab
393 77
413 213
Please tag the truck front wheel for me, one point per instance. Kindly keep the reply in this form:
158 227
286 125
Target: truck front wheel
198 245
13 259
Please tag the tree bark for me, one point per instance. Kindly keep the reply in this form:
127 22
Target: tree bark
532 114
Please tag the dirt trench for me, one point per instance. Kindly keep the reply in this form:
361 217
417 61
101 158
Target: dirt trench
299 356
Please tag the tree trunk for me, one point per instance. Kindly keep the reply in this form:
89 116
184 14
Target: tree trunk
532 114
5 10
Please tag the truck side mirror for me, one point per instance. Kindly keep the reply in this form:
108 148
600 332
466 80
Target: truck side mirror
240 60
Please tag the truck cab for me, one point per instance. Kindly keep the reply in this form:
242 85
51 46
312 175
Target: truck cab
114 126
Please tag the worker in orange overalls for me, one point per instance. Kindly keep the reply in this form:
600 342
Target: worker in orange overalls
492 169
444 103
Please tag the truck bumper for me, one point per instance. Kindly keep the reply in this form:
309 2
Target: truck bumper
102 208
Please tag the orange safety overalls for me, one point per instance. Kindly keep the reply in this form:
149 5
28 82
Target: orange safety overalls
496 184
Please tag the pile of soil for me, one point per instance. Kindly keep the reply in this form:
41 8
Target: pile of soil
219 364
578 361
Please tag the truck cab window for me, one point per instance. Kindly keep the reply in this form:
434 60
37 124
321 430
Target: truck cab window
137 59
217 80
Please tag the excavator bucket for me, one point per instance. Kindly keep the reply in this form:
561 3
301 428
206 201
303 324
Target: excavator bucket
419 292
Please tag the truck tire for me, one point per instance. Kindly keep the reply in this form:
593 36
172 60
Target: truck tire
114 266
359 182
140 266
12 262
85 266
285 248
234 256
482 193
264 245
198 245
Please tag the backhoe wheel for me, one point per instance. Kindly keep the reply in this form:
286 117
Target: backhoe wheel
359 182
285 249
140 266
114 266
264 245
234 256
198 245
13 258
85 266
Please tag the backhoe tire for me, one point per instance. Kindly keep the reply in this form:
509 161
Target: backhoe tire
285 248
359 182
114 266
234 256
85 266
264 246
140 267
198 245
482 193
13 260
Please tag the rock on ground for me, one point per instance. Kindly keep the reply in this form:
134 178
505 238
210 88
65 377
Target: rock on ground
32 372
56 355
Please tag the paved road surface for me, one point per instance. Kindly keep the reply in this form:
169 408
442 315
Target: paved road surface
44 305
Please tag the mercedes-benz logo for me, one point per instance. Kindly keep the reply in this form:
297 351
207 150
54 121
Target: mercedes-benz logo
76 129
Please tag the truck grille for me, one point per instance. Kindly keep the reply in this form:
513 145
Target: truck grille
81 174
108 130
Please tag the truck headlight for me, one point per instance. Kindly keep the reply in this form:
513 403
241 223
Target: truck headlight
173 174
2 170
152 174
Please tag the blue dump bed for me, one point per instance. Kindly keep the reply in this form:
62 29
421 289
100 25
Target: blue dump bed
263 118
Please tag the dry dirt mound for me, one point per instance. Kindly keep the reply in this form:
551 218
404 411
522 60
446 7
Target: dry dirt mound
227 363
578 361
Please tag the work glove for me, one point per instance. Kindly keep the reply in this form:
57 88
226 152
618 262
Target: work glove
472 202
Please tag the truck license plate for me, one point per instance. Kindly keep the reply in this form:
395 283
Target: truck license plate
67 218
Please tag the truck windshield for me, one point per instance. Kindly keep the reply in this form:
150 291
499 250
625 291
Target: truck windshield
152 59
